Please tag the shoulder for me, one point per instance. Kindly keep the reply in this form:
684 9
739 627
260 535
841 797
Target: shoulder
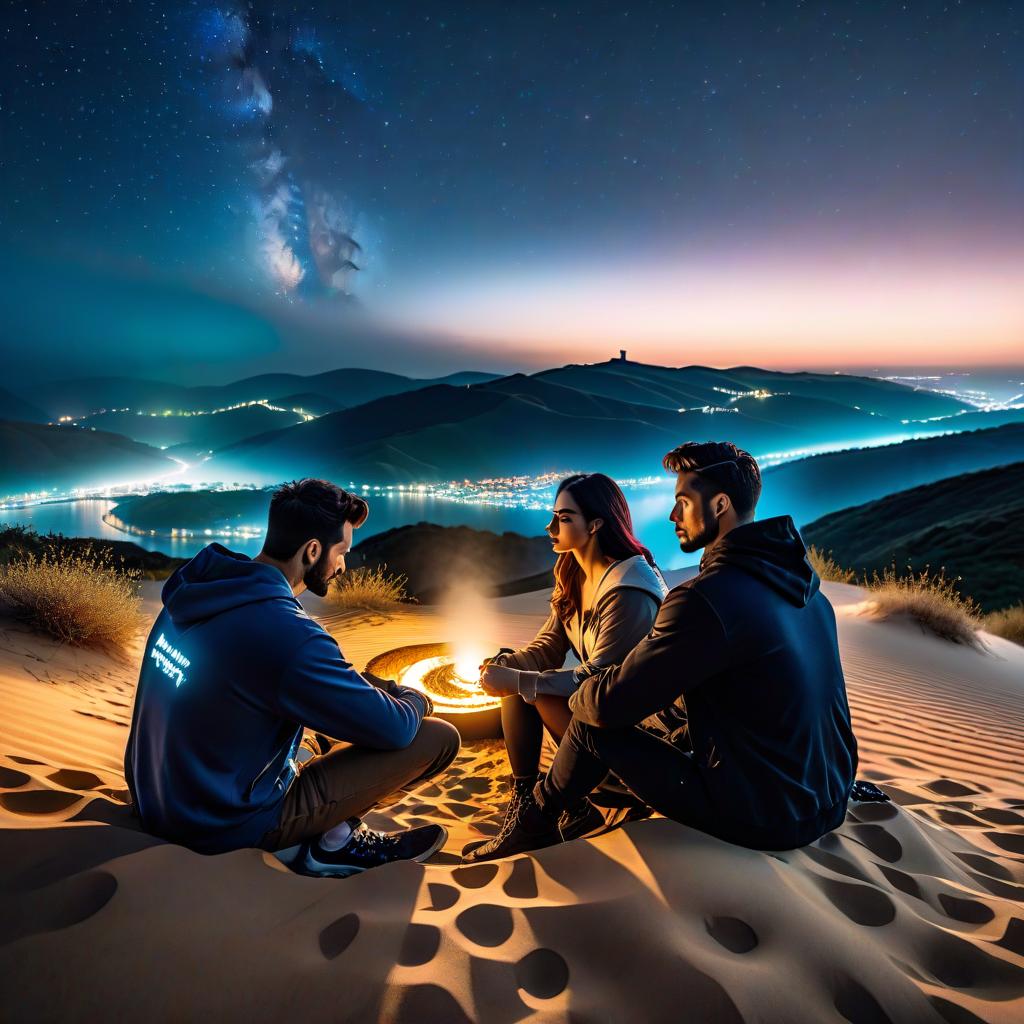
688 602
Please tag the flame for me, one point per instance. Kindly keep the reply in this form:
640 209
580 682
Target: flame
467 667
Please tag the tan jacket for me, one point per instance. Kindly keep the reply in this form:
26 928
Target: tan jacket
625 605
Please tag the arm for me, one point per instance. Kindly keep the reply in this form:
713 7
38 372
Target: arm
686 646
322 691
547 649
626 617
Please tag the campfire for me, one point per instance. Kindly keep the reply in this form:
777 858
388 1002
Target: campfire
452 682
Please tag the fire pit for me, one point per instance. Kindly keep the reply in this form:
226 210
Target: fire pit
453 687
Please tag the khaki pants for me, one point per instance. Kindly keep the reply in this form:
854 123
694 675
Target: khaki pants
348 781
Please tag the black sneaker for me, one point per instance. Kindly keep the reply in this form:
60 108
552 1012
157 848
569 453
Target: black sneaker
530 829
520 788
369 849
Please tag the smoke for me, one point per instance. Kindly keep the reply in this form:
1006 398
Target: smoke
472 628
269 80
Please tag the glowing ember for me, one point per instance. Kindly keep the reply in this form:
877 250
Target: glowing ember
453 685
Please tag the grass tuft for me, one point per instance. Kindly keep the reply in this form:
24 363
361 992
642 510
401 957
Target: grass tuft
370 589
828 568
1007 622
931 599
80 597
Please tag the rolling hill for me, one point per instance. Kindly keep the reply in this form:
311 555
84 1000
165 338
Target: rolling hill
49 457
809 488
969 524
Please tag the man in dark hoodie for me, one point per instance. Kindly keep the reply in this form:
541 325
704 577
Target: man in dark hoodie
742 671
234 670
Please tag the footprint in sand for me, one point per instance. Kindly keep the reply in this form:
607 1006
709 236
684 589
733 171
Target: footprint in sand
72 779
857 1005
877 812
420 945
476 876
486 924
430 1003
735 935
338 936
986 866
947 787
543 973
442 897
1009 841
862 904
835 863
11 778
1000 816
879 841
38 801
522 883
1013 937
61 905
960 964
899 880
966 910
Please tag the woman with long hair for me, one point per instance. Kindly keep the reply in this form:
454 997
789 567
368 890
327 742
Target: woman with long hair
606 595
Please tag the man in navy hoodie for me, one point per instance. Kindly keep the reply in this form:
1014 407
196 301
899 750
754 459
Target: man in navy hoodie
742 670
235 669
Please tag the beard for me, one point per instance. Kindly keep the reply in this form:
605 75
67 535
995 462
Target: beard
706 532
317 579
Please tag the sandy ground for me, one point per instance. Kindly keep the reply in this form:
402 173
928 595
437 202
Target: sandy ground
911 911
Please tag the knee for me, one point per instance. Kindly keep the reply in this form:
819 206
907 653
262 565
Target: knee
442 739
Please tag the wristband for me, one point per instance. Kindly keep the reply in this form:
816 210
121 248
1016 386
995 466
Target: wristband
528 686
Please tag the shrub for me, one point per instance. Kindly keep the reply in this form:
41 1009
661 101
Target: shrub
1008 623
930 599
81 597
828 568
371 589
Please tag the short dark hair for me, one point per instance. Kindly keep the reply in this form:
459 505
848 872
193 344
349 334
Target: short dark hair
721 468
309 509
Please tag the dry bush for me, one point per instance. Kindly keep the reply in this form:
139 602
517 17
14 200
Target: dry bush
370 589
828 568
1007 622
930 599
81 597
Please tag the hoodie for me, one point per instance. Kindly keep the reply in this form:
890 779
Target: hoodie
625 603
234 669
744 659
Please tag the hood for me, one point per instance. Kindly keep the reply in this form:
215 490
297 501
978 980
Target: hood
772 551
634 572
216 581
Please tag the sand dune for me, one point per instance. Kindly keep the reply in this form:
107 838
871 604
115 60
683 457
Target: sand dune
911 911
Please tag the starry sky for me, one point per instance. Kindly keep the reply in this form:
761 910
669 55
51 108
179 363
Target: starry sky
195 189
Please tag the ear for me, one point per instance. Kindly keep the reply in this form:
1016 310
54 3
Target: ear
311 552
722 504
595 525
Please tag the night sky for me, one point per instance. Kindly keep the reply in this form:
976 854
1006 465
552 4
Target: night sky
194 189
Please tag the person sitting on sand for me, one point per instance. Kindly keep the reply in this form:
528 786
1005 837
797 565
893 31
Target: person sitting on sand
235 669
607 594
744 657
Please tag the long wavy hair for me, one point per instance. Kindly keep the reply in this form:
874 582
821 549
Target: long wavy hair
599 497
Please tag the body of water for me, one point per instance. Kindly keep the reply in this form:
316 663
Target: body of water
650 507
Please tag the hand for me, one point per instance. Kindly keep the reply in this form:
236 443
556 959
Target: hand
498 681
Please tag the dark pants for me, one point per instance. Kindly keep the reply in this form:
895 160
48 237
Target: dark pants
661 775
348 781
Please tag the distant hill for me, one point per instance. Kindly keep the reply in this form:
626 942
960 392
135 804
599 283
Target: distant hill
433 558
689 386
971 524
14 408
35 457
192 434
338 388
528 425
809 488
